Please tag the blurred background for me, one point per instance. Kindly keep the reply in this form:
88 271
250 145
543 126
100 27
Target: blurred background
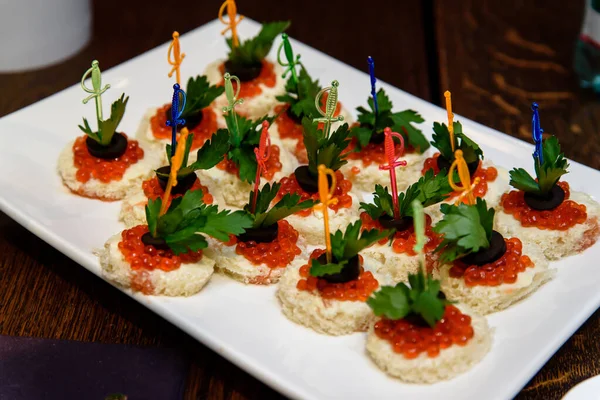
495 56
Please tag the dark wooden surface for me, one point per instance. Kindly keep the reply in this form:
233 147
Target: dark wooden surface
495 56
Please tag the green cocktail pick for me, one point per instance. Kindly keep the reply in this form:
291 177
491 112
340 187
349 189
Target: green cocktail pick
330 106
97 90
232 100
289 55
419 225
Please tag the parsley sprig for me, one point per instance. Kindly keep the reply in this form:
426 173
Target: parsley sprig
252 51
548 173
466 229
322 149
188 218
345 245
422 299
301 95
108 127
428 190
264 216
200 94
441 141
372 124
210 154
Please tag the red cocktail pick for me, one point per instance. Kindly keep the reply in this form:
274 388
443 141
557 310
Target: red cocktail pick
393 162
262 152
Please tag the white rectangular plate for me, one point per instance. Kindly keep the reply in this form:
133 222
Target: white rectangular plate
244 323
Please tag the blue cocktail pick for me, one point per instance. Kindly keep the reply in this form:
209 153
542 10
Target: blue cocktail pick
537 131
373 82
177 107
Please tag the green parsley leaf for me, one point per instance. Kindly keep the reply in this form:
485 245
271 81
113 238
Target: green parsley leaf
108 127
152 211
414 137
224 223
318 270
301 96
210 154
466 229
252 51
199 94
441 141
325 150
391 301
521 180
288 205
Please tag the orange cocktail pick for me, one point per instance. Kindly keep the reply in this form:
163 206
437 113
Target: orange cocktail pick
448 97
393 162
232 23
178 56
176 162
327 199
262 153
465 178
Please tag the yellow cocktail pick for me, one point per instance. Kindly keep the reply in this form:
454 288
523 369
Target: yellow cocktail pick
178 56
176 162
465 178
448 97
327 199
232 23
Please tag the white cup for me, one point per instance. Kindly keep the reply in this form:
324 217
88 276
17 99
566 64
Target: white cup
37 33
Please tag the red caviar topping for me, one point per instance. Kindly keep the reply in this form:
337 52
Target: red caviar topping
90 167
372 153
356 290
410 339
503 270
141 282
252 88
273 165
485 175
201 133
563 217
342 189
141 256
276 254
152 190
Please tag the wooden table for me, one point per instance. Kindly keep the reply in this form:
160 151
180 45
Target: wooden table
494 62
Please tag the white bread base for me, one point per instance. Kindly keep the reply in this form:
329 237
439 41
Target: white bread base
237 267
371 175
133 209
449 363
394 266
311 227
254 107
187 280
492 197
111 191
330 317
553 244
488 299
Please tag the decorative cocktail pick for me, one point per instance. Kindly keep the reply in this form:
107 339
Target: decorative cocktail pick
537 131
262 153
97 89
393 162
232 97
373 82
178 56
465 178
327 199
176 162
419 224
232 23
448 97
330 106
177 106
289 55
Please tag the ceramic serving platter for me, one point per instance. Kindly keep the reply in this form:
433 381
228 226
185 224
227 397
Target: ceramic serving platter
244 323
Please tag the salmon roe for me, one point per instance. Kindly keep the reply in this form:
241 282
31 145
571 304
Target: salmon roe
252 88
141 282
276 254
357 290
485 175
372 153
342 192
411 339
90 167
563 217
503 270
141 256
152 190
273 165
201 132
